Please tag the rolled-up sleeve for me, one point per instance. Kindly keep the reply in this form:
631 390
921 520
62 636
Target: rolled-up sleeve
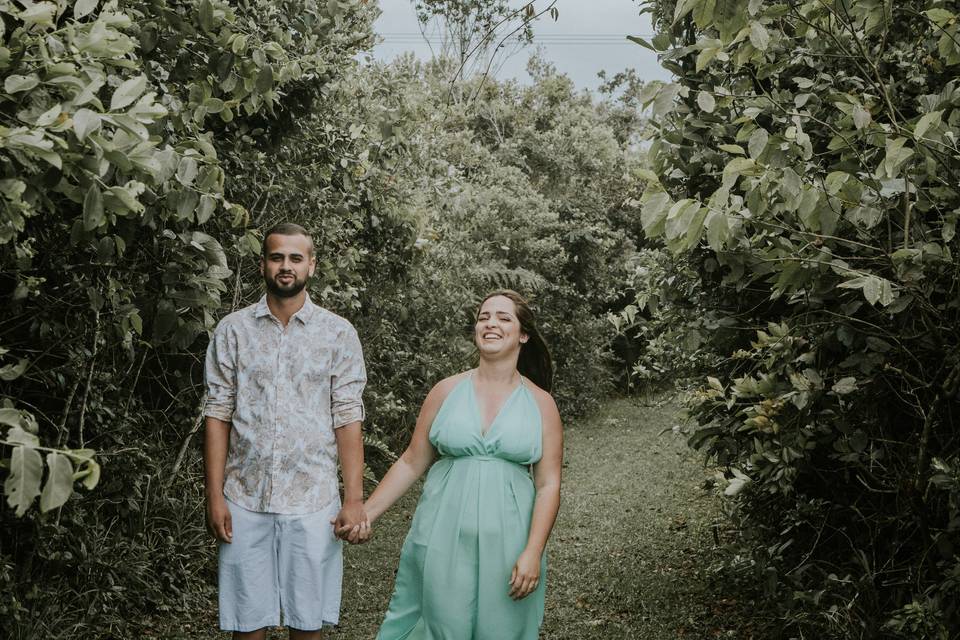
220 375
348 378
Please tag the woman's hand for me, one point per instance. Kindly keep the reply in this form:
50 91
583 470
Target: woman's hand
352 523
526 575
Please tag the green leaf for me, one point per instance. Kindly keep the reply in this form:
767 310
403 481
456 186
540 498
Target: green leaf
213 105
861 117
732 148
127 197
137 323
187 171
653 213
10 417
843 386
896 155
718 231
23 482
17 83
20 436
206 15
875 289
737 484
706 56
682 8
661 41
265 79
640 41
927 121
741 166
664 102
186 203
679 219
706 101
695 229
84 8
13 371
40 14
127 92
59 483
89 474
868 217
703 13
941 17
49 116
85 122
205 209
759 37
758 142
93 215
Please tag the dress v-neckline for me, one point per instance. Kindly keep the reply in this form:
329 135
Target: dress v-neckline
478 411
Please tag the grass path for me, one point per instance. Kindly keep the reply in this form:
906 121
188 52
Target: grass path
631 556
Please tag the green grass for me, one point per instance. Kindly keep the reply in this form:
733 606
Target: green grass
633 554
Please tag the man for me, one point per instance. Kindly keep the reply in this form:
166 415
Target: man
284 384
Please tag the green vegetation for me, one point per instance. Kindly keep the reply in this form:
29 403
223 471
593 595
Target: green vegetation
783 229
144 148
803 173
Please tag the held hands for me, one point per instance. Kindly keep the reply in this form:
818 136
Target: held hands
525 576
352 524
219 521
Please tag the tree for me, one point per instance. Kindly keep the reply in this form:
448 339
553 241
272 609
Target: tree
803 163
473 32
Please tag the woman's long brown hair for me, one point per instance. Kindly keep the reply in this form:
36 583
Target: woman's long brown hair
535 362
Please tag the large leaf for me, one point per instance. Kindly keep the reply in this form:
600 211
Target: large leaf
85 122
653 213
93 215
59 483
23 483
127 92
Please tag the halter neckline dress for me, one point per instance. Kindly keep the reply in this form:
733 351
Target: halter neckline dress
470 526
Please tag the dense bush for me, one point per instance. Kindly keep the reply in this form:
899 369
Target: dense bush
153 142
517 186
125 204
803 166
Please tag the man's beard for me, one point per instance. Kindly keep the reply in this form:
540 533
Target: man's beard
285 292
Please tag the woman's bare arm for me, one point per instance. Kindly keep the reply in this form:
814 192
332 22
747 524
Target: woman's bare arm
415 459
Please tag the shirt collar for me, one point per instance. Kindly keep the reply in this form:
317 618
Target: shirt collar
303 315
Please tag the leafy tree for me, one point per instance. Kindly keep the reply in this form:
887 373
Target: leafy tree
803 164
119 221
473 32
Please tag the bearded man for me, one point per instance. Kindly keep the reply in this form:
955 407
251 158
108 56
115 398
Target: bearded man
284 384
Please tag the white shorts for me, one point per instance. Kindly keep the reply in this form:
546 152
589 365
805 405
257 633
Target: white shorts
289 563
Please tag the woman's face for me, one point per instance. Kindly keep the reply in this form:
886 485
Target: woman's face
497 330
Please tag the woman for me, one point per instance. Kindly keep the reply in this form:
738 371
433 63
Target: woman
472 566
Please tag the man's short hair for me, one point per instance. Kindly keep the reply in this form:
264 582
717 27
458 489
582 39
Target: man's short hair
285 229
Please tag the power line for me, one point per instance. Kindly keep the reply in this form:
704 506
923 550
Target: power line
552 39
558 35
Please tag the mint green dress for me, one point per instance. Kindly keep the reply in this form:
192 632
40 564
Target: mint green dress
470 526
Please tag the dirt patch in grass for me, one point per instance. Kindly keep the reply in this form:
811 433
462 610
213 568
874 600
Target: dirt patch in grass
634 554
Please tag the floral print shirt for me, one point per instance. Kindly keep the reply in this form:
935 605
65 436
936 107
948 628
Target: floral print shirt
284 391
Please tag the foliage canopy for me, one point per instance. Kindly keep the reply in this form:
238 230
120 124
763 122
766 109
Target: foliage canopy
804 163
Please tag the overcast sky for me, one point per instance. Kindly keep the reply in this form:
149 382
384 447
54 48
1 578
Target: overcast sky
589 36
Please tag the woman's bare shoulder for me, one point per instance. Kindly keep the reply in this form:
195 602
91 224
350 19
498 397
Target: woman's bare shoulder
443 388
548 406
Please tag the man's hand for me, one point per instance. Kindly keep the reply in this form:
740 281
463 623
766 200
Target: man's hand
219 520
352 524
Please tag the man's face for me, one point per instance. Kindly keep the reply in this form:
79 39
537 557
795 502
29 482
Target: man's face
287 263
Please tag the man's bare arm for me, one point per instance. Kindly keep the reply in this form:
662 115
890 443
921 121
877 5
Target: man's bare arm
350 450
216 438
